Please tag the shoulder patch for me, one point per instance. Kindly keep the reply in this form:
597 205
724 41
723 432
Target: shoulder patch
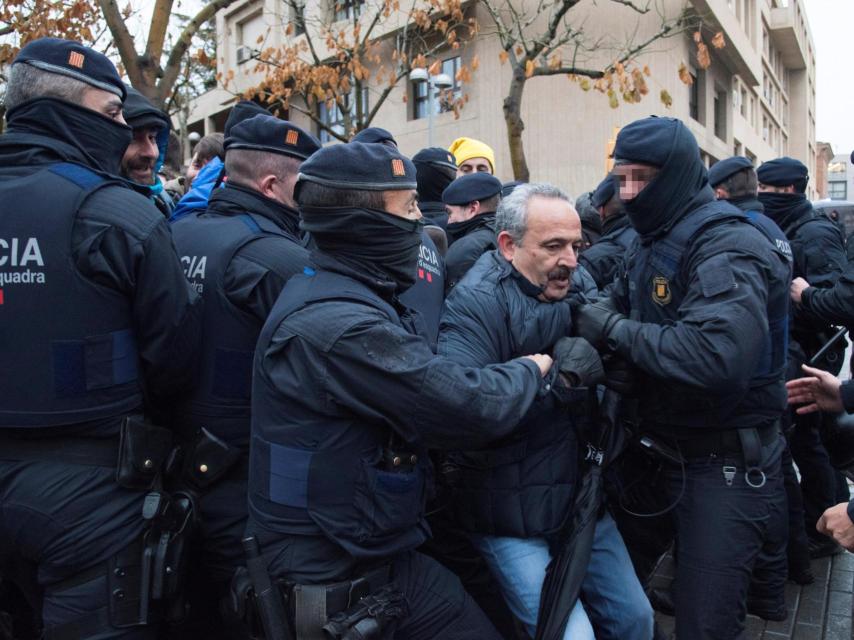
716 276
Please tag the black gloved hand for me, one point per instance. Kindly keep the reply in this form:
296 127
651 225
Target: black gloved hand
594 322
578 362
619 375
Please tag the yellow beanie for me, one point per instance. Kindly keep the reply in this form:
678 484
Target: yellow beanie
468 148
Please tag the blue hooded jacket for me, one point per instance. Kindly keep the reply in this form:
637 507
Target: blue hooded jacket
200 192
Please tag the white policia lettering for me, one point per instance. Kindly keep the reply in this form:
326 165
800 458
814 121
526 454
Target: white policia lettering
12 255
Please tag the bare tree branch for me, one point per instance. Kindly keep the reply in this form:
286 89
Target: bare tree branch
182 44
157 30
123 40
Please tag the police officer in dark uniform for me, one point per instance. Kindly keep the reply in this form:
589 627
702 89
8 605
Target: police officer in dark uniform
819 258
98 324
238 254
701 313
436 169
734 180
471 201
427 295
591 220
338 467
605 257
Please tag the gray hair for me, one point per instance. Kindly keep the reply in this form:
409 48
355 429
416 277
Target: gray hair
27 82
512 214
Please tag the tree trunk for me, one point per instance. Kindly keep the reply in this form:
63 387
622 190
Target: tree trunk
515 125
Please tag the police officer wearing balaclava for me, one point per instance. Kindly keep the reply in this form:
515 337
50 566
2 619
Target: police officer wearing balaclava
99 325
427 294
345 401
605 257
699 314
436 168
819 258
238 254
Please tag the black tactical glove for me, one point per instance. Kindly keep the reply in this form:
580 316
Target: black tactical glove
594 322
578 362
619 375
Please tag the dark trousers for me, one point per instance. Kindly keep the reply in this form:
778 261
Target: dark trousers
818 477
439 606
216 553
65 519
722 529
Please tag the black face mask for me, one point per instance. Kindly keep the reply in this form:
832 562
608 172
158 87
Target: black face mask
779 203
374 240
100 140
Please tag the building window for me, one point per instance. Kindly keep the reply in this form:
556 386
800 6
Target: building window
298 17
694 97
346 9
837 167
720 114
837 190
443 100
743 103
333 117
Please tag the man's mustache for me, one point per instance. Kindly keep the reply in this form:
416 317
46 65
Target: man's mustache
561 273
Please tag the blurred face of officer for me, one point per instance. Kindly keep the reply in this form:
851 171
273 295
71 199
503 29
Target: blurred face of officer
633 178
104 102
403 203
141 155
474 165
461 213
548 252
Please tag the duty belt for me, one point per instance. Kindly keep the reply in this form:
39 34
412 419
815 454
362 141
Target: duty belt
729 442
93 452
313 603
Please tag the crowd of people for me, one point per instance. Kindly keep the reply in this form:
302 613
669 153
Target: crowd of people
307 392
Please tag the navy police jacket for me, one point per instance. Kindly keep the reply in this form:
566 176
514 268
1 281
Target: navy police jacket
95 312
708 302
474 238
521 484
338 374
605 258
238 254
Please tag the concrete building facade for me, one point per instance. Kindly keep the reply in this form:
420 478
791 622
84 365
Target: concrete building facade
756 99
840 178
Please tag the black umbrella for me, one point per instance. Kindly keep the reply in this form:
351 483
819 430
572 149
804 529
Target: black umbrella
568 566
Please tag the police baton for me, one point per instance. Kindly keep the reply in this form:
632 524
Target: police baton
827 346
267 596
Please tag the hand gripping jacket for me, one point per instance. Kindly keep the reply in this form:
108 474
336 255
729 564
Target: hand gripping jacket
220 400
335 488
69 353
656 272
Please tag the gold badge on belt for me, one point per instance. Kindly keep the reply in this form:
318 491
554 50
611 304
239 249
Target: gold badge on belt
661 290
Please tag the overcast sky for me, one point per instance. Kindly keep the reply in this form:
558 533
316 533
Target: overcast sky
832 26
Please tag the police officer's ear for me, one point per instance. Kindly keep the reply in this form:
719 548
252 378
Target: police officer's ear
507 245
268 185
721 193
473 208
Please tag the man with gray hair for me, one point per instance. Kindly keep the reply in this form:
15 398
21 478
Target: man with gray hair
512 495
99 327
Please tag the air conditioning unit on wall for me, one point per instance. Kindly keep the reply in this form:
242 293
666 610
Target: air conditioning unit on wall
244 54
